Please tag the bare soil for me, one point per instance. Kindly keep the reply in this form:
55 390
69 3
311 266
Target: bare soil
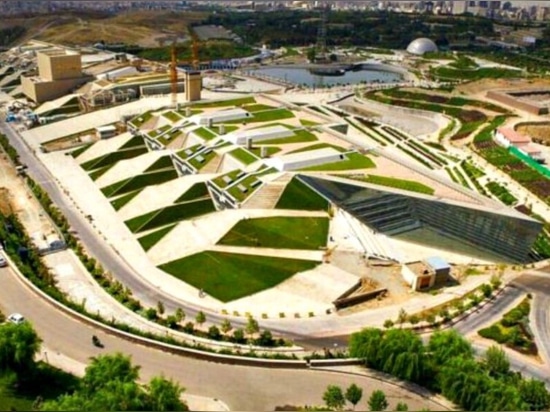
143 28
539 132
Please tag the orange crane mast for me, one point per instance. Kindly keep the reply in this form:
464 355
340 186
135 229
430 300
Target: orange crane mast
174 65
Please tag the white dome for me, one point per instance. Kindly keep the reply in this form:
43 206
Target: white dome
421 46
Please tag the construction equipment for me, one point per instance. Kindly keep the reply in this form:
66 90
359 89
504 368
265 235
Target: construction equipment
174 65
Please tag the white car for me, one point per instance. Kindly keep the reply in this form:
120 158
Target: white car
16 318
3 262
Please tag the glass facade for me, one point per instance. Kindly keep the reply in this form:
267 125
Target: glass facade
392 213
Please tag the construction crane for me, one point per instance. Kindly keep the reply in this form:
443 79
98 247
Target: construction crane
174 65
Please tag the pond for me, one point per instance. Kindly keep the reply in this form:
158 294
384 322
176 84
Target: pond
302 76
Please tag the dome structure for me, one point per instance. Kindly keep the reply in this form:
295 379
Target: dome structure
421 46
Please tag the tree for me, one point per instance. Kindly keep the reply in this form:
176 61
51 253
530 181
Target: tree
486 290
334 397
111 383
534 394
402 316
108 368
377 401
496 362
165 395
214 332
226 326
200 318
388 324
402 406
19 344
238 336
180 315
160 307
354 394
445 345
311 54
252 326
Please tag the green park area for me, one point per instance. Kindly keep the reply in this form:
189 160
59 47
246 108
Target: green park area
170 214
351 161
229 276
112 158
139 182
297 196
402 184
513 330
279 232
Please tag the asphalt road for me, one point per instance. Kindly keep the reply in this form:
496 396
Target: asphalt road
148 294
240 387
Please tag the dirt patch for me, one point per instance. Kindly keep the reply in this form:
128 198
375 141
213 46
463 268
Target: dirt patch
540 133
482 86
5 202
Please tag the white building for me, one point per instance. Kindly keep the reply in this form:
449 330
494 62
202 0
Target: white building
220 116
309 158
506 137
256 135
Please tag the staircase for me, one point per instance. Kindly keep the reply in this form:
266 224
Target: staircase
267 196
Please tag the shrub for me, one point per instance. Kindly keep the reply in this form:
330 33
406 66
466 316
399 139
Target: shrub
214 333
151 314
493 332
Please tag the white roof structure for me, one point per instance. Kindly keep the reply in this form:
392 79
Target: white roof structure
221 116
305 159
421 45
264 133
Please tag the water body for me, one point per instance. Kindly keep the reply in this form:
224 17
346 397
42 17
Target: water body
302 76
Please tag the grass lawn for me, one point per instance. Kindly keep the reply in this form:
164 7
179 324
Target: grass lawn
403 184
354 161
271 150
77 152
199 161
97 173
163 162
119 202
305 122
279 232
172 116
204 133
139 182
243 156
159 131
257 107
229 276
232 175
135 141
168 137
481 73
112 158
266 116
224 103
300 136
249 183
170 214
141 119
318 146
228 128
151 239
297 196
196 191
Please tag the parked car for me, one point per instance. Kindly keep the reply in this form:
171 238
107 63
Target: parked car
3 262
16 318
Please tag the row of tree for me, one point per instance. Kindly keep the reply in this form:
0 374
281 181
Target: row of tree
447 365
336 398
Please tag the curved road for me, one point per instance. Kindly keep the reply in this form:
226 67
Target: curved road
112 262
240 387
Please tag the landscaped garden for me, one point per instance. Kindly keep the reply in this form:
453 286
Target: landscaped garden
470 119
229 276
279 232
139 182
513 330
402 184
297 196
112 158
501 193
151 239
170 214
353 160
